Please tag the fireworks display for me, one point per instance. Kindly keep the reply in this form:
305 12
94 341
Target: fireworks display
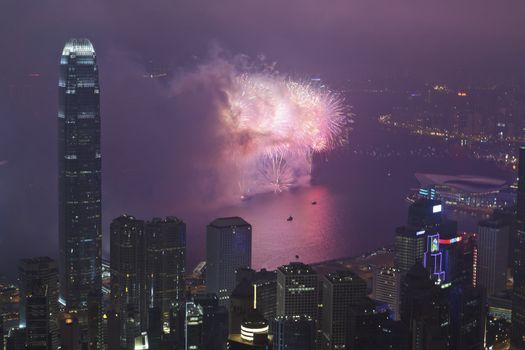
274 126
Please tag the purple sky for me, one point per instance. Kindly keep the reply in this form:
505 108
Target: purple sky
150 140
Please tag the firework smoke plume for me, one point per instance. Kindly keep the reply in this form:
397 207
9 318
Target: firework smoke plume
267 125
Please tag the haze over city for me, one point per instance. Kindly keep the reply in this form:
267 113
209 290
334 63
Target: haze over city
320 124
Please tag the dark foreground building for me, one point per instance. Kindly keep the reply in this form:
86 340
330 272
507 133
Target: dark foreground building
518 300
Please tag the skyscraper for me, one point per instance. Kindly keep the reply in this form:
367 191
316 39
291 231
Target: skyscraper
518 301
424 310
409 248
467 318
493 247
341 290
297 291
38 323
241 304
294 333
193 326
228 247
387 289
38 278
127 275
215 322
79 160
165 264
425 214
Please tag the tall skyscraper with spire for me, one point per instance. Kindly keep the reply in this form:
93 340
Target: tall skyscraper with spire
80 231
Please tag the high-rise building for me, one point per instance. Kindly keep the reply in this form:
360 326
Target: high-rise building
127 276
38 323
70 333
365 328
228 247
387 289
16 339
38 279
294 333
493 247
341 290
467 318
79 159
241 304
409 248
518 300
215 321
264 285
424 311
1 332
265 293
193 326
297 291
165 263
425 214
460 254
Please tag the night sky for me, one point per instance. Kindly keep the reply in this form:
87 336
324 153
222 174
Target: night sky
158 158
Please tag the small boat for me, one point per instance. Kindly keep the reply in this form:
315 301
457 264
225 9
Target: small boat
290 218
314 203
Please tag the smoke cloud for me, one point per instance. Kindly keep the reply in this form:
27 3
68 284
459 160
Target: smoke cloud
261 128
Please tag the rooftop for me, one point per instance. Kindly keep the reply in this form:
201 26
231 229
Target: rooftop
297 268
234 221
80 47
343 276
463 183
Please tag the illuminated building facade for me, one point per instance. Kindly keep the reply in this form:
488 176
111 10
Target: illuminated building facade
253 334
425 214
387 288
264 285
297 290
493 248
193 326
341 291
165 264
433 259
79 159
38 323
518 300
215 321
464 192
228 247
127 276
409 247
38 280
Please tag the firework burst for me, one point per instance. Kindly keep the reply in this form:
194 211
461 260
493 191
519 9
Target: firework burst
275 125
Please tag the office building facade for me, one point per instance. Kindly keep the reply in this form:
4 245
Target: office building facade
493 248
228 248
518 299
38 278
341 291
79 159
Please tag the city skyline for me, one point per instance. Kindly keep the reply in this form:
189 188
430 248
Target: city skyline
133 123
337 179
